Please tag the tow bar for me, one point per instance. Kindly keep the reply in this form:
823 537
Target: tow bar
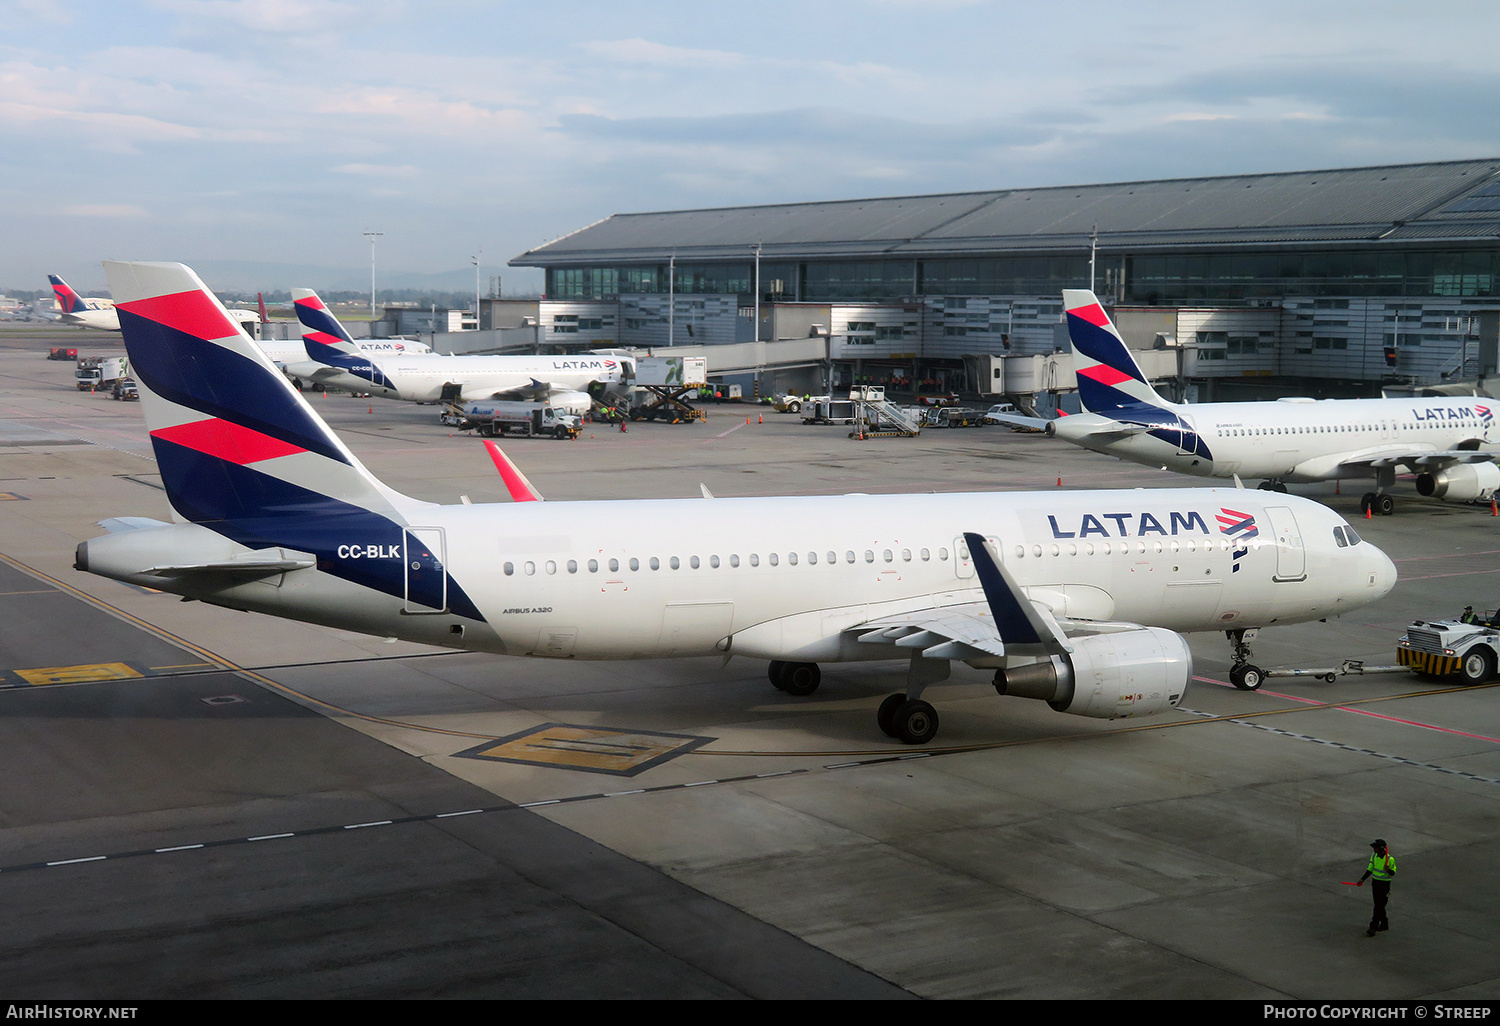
1348 668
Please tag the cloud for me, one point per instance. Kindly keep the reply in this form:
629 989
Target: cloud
377 170
273 16
109 210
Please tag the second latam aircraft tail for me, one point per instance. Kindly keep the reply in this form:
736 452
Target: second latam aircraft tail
318 325
1109 379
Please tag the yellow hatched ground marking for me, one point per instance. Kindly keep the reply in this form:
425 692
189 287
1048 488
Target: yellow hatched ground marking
593 749
77 674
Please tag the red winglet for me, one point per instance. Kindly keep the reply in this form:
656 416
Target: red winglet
520 489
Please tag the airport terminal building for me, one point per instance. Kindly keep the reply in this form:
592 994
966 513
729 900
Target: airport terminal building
1326 282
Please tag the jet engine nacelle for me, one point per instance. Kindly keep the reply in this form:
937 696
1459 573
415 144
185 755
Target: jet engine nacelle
1462 482
1137 672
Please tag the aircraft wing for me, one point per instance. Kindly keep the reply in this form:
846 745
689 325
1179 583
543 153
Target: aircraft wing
966 631
1005 623
1419 459
533 391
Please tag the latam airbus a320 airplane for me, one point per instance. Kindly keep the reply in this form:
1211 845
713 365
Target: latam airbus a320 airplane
1073 598
333 360
1298 440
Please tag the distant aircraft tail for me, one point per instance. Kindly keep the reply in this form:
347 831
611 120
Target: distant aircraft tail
318 325
68 301
328 343
240 451
1109 379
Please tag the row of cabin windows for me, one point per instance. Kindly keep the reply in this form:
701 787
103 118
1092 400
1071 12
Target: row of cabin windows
1140 548
1334 429
613 565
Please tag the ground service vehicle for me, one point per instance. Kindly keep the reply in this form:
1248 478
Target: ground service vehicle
830 411
98 372
1442 648
954 416
61 353
124 390
529 420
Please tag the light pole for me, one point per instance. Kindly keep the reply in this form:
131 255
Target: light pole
1093 250
757 292
475 259
372 236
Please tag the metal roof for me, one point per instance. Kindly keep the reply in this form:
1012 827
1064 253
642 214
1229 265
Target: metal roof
1405 202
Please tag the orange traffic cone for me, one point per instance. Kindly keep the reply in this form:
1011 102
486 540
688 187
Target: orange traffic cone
372 409
1367 512
1494 511
762 419
1059 482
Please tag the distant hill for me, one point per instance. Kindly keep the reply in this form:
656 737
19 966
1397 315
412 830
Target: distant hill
254 276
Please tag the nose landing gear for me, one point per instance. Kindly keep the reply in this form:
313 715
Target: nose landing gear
1242 673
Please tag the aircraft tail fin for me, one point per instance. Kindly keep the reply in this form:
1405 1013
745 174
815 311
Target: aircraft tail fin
239 449
1109 379
68 301
318 324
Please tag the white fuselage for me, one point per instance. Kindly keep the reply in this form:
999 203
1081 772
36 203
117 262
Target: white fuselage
1294 440
427 379
782 578
97 313
286 352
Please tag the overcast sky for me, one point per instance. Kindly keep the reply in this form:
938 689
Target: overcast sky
279 131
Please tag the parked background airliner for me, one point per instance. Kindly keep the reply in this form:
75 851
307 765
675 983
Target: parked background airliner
332 332
1071 597
1299 440
100 313
333 360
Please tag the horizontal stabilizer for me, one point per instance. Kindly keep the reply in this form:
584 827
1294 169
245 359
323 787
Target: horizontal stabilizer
251 564
1018 420
119 525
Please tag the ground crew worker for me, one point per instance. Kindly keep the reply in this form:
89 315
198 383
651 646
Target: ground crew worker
1469 616
1382 867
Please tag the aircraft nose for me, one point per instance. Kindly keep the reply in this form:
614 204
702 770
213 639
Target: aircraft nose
1382 572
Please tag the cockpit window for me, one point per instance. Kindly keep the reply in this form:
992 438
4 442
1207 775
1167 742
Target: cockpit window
1345 536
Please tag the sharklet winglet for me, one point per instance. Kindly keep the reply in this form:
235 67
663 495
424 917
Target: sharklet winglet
521 490
1016 620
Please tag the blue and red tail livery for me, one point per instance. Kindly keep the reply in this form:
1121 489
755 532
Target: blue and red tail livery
1109 379
239 450
318 324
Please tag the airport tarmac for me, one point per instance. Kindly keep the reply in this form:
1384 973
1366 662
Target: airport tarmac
681 828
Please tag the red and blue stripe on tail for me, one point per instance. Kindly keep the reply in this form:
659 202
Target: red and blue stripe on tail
1109 379
241 452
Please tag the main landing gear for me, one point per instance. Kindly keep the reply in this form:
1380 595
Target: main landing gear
902 716
1243 674
1272 485
1379 501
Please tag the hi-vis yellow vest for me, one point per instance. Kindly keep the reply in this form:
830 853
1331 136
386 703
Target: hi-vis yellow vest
1383 868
